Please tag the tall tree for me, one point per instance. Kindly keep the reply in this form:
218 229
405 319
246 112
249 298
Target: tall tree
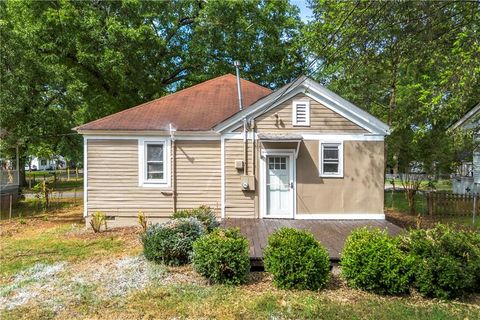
64 63
414 64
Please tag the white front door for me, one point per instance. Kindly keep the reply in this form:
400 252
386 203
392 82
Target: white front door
279 186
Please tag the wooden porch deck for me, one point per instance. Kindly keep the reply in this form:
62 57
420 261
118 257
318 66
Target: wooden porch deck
331 233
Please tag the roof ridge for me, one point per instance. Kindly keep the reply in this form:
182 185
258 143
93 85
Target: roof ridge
168 95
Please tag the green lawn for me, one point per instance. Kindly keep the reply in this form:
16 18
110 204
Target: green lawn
440 185
397 202
34 207
60 184
39 244
177 293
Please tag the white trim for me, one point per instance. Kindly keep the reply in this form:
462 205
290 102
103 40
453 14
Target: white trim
85 177
295 104
142 180
263 181
166 135
222 179
340 159
315 136
316 92
343 137
341 216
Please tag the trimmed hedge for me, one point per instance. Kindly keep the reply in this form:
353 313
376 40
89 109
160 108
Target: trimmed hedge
372 261
222 256
447 262
296 260
205 214
171 242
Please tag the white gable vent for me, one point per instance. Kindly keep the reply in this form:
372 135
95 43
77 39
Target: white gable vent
301 113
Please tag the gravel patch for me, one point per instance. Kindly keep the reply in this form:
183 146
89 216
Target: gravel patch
29 284
57 285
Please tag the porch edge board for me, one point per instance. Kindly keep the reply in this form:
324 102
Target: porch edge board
341 216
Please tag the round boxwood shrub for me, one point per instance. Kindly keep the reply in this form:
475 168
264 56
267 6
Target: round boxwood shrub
205 214
171 242
373 261
447 262
296 260
222 256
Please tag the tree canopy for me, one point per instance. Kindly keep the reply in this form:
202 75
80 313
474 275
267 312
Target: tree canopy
413 64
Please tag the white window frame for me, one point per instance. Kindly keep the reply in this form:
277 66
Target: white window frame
294 113
338 174
142 163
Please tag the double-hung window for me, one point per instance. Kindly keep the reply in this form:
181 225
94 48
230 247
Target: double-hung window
331 159
154 163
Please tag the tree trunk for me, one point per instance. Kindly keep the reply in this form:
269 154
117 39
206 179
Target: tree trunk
410 194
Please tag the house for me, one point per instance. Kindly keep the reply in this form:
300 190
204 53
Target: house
300 152
53 163
467 179
9 179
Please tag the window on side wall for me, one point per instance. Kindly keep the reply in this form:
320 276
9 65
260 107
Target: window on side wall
331 159
154 164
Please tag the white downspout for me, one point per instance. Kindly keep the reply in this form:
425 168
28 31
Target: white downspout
172 163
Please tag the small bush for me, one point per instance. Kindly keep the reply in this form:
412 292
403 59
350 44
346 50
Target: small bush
222 256
296 260
171 242
142 221
372 261
203 213
98 220
447 262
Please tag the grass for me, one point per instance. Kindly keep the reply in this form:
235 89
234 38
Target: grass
62 185
226 302
34 207
396 202
49 245
440 185
53 240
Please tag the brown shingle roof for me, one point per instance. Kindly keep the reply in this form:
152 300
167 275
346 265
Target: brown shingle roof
197 108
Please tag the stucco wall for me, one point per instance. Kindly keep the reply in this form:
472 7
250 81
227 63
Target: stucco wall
359 191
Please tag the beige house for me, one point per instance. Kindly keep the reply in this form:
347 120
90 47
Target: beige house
300 152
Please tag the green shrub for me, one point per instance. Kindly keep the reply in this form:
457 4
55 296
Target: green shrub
447 262
372 260
98 220
171 242
205 214
296 260
222 256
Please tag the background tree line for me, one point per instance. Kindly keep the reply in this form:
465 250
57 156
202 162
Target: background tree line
415 65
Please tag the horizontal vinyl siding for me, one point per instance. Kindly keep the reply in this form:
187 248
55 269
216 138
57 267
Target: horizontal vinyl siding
113 179
238 203
198 174
322 119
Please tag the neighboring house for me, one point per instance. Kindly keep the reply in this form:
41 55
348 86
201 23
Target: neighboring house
306 153
54 163
9 181
467 179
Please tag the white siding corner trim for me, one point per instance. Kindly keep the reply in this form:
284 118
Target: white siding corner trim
222 180
85 177
142 180
341 216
